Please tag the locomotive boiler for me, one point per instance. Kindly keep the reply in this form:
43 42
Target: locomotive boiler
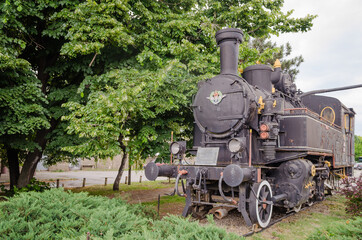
259 142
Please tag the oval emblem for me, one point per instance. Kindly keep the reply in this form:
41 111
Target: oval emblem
216 97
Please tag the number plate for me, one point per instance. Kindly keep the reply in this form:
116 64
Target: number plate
207 156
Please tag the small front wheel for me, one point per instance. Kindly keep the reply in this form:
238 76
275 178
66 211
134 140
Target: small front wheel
261 205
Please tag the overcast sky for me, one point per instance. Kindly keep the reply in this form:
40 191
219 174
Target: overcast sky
332 50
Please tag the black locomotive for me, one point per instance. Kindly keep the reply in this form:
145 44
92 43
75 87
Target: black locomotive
259 142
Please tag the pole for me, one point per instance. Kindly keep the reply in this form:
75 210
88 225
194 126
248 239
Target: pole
171 160
250 133
83 182
330 90
129 172
158 205
140 178
57 183
105 181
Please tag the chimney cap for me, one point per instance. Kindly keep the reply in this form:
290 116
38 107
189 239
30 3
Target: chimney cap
229 33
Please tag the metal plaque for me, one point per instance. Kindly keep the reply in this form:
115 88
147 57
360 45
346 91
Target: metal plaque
207 156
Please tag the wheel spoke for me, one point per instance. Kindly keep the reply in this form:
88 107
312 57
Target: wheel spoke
260 208
262 193
260 212
266 194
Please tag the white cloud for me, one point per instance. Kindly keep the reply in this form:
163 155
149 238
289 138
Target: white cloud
332 50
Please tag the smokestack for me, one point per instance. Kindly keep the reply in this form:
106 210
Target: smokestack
229 39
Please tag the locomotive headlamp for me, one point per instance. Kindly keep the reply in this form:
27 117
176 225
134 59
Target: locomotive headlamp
175 148
178 147
236 145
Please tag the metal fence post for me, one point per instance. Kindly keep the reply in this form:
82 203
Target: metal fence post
158 205
83 182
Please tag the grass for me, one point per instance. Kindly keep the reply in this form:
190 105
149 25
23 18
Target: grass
301 225
107 191
166 200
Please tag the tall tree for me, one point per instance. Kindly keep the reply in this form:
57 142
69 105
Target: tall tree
35 80
148 93
289 65
126 70
357 147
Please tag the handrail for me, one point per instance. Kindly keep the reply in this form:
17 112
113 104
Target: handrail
312 114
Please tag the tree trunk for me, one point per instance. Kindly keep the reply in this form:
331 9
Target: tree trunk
32 159
123 162
129 172
29 167
13 160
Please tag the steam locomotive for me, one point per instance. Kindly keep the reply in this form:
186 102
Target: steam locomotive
260 143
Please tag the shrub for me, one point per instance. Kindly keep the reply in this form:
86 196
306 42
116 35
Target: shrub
34 185
175 227
349 230
352 190
55 214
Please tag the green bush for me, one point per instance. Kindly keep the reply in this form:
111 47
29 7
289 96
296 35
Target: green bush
350 230
34 185
56 214
173 228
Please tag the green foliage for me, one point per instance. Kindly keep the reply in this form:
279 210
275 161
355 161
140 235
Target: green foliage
174 227
35 80
250 52
33 186
349 230
277 52
57 214
122 109
124 70
21 102
357 147
144 92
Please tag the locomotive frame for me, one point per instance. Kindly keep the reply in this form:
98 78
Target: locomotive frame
259 142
